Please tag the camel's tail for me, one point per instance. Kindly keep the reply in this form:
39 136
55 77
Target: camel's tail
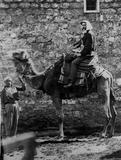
112 94
107 75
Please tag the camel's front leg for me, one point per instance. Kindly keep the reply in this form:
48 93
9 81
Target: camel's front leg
59 111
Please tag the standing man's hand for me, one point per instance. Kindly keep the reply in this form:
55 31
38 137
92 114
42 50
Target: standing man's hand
3 113
20 79
23 84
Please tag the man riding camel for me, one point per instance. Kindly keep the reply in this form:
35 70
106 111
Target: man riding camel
85 46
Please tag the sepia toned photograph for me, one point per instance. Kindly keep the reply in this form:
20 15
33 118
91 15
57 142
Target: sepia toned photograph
60 79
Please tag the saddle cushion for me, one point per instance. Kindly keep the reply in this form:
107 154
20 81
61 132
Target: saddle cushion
80 79
86 67
88 64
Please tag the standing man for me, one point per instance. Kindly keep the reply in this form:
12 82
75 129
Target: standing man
86 45
9 106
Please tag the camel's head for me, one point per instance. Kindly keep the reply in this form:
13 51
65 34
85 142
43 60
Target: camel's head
24 67
22 63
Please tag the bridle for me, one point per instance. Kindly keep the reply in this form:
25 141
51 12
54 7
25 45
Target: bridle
24 68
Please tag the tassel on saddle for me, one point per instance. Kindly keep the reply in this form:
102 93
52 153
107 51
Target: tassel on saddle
81 78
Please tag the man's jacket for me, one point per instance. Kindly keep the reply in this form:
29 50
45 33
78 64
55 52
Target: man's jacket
88 43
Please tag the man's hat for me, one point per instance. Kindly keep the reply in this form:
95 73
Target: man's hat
86 24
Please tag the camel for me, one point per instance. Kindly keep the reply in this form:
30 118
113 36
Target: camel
48 82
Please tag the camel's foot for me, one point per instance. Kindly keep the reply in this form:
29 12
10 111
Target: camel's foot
103 135
110 135
107 135
61 138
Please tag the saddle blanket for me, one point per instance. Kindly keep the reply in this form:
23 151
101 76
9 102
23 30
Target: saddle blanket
82 76
88 66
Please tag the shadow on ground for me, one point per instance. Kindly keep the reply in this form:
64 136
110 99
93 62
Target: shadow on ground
116 154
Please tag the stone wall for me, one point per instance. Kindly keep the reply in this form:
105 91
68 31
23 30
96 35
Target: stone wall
47 28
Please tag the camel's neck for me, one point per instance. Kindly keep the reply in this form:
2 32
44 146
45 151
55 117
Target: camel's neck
28 80
33 69
35 81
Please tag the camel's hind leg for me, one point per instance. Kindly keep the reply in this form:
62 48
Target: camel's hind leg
105 129
104 91
110 123
113 113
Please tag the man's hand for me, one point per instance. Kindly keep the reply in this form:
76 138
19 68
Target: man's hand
77 51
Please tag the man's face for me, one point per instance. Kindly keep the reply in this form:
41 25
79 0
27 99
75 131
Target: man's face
8 83
83 26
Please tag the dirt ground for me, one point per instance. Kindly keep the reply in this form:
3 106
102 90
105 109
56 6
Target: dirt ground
79 148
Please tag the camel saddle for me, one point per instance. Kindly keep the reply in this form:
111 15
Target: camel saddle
85 71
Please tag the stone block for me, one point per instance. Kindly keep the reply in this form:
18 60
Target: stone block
24 5
18 1
76 114
115 5
14 5
55 5
69 1
18 12
46 5
78 0
30 0
3 12
104 5
49 12
109 11
4 6
65 5
108 1
41 1
34 5
8 1
76 5
119 10
49 0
